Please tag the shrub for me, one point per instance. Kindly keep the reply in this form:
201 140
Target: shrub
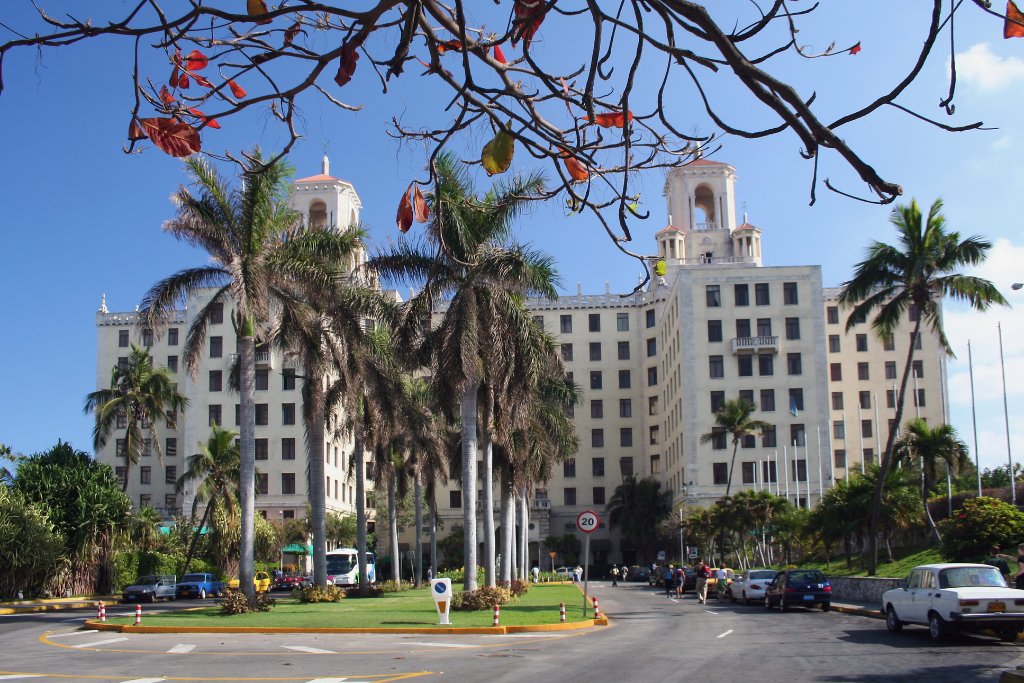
483 598
372 591
235 602
978 525
459 575
321 594
519 587
394 586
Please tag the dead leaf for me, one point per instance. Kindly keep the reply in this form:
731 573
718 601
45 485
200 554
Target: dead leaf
172 136
419 205
404 217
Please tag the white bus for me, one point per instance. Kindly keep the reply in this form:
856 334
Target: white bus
343 567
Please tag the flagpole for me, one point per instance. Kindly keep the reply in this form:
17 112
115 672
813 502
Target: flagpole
832 457
878 429
821 483
785 469
776 472
974 417
1006 417
860 430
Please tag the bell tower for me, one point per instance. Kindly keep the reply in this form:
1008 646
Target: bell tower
326 201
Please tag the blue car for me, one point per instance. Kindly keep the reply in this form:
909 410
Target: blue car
199 586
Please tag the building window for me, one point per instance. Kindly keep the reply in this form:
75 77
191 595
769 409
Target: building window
597 467
747 469
626 437
833 343
455 499
768 437
147 338
652 347
720 471
796 400
216 347
625 379
599 495
767 400
654 435
890 398
719 438
147 448
288 379
768 472
123 337
172 363
799 468
838 429
743 327
263 413
288 448
837 400
623 350
262 449
761 297
215 415
595 379
794 364
862 371
649 318
717 399
538 320
713 296
797 435
597 438
865 429
595 351
890 369
865 399
287 413
918 369
840 457
835 371
145 500
622 322
656 463
121 418
920 398
716 367
171 474
652 376
594 322
714 331
569 494
917 341
745 365
862 342
262 483
742 294
172 336
765 364
215 380
789 295
792 328
888 344
652 405
170 501
764 327
596 409
747 395
567 353
145 474
287 483
262 379
869 456
748 441
832 313
625 407
216 313
565 325
171 447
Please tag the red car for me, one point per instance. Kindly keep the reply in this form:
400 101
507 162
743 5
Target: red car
291 582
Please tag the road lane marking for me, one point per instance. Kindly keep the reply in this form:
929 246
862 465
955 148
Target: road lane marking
309 650
99 642
6 678
723 635
181 648
146 680
710 612
452 645
73 633
335 680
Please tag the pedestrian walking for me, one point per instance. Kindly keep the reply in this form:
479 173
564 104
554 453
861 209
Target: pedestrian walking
721 580
679 579
578 573
536 573
703 574
668 577
615 576
995 559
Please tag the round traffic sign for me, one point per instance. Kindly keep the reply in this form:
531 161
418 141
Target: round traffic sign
587 522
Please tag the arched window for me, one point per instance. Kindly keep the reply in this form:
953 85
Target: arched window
704 208
317 214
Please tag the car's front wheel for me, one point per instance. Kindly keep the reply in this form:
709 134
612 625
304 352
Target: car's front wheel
767 602
1008 635
202 593
826 606
936 627
892 622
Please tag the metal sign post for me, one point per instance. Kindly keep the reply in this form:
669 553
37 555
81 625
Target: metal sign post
587 522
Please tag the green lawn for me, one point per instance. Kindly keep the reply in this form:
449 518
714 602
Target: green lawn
906 560
411 608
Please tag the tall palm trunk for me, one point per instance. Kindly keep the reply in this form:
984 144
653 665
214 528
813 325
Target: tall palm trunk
417 495
883 468
524 534
469 451
358 459
732 465
487 507
507 524
396 554
929 520
247 458
312 397
432 504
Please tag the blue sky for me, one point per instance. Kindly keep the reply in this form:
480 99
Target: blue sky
82 219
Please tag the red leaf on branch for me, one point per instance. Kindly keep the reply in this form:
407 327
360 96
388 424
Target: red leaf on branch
290 33
347 65
855 49
202 81
172 136
176 69
529 16
183 81
210 123
454 45
196 61
237 90
135 131
404 217
612 119
576 168
256 8
1014 26
499 55
419 205
165 95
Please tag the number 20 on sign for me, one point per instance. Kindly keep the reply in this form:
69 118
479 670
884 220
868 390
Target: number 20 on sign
587 522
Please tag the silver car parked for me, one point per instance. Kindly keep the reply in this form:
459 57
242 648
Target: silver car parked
150 589
750 585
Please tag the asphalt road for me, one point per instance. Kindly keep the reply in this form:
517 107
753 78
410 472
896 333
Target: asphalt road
651 638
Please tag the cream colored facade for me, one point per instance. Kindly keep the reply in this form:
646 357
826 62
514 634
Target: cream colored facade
280 445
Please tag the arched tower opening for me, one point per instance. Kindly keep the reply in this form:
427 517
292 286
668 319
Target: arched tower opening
318 214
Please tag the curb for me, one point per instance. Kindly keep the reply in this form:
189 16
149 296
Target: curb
859 611
53 607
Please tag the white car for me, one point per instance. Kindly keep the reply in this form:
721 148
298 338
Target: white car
750 585
955 596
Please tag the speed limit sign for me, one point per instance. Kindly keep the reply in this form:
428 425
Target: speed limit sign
587 522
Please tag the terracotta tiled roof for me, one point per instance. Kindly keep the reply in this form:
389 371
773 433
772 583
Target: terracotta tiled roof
322 178
670 228
706 162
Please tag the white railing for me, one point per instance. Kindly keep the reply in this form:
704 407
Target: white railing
714 260
755 344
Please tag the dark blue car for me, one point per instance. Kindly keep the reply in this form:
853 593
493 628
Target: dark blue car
799 587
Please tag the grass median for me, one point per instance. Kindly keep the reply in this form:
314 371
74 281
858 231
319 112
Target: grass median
410 608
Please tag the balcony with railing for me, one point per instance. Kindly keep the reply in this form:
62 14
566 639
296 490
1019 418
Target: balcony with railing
264 359
755 344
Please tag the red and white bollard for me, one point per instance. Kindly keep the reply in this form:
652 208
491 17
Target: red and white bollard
497 615
597 611
138 615
561 610
101 612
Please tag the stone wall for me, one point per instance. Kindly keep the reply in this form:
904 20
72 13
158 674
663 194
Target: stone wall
863 589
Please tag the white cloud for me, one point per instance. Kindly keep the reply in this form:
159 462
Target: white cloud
986 71
1002 143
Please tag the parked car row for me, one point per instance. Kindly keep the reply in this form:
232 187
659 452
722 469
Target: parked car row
201 585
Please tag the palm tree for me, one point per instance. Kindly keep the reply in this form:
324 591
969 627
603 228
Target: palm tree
139 397
214 471
734 417
929 446
143 528
914 276
260 254
636 508
464 261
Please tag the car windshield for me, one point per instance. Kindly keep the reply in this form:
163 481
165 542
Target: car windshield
197 578
763 575
963 577
806 577
146 579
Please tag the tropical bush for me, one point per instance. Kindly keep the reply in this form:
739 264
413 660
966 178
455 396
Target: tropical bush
31 546
394 586
372 591
458 575
978 525
130 565
322 594
235 602
483 598
519 587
